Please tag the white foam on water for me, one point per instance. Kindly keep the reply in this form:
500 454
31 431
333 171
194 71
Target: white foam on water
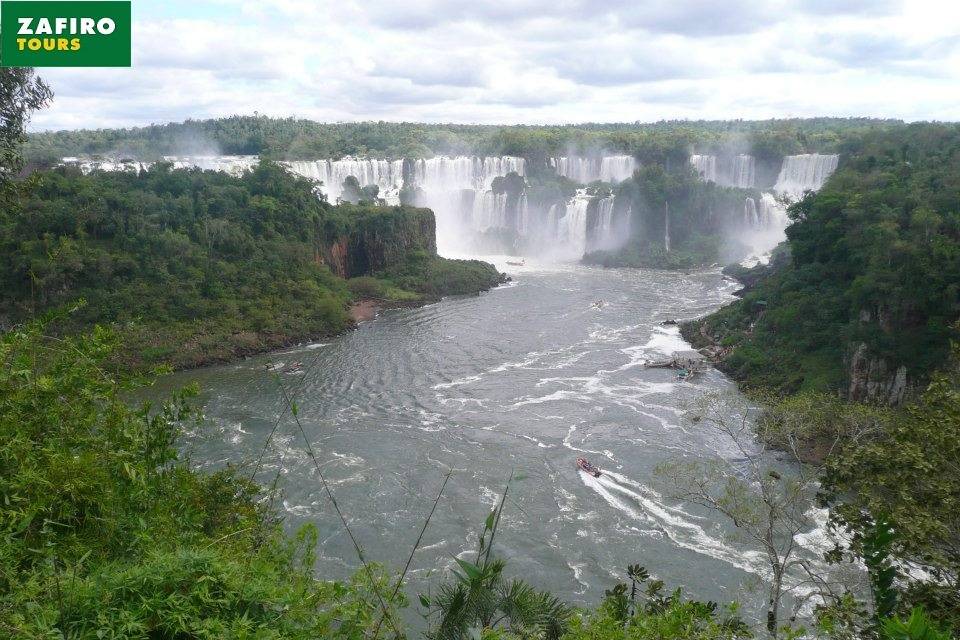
348 459
552 397
489 496
456 383
532 358
681 531
569 445
666 340
577 569
296 509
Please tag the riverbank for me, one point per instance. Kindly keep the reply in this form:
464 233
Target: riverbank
212 341
364 310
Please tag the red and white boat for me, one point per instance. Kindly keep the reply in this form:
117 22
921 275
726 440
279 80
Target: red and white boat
584 465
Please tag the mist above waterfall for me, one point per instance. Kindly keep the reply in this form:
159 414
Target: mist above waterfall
490 204
563 207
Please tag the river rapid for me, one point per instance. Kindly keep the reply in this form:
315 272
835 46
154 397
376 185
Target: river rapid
517 381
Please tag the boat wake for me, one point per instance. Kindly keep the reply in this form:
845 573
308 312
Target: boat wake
644 504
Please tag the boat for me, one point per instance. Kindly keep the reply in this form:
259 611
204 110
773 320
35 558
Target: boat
522 263
599 304
584 465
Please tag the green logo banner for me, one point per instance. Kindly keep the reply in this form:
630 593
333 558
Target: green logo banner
65 33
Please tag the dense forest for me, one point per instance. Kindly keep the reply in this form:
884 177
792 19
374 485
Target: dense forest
666 142
868 282
202 266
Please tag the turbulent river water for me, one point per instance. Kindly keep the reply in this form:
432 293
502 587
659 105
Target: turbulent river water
520 380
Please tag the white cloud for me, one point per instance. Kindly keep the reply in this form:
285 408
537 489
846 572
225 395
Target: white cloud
532 61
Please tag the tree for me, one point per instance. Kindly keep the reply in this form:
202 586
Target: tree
767 502
910 472
21 93
480 599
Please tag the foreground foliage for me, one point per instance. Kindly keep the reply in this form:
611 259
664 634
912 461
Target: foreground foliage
106 533
908 472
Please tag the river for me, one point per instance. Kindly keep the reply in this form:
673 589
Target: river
519 380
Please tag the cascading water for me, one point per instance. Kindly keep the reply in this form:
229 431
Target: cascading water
585 170
706 166
765 219
666 226
603 232
728 171
807 172
489 211
443 173
459 190
751 216
744 172
572 227
386 174
768 213
234 165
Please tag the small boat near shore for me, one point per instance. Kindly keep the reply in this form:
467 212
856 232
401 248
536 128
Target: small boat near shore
512 263
584 465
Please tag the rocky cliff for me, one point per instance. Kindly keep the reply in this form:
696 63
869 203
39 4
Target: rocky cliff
872 380
377 239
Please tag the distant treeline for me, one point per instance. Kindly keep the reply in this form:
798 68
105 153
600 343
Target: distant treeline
294 138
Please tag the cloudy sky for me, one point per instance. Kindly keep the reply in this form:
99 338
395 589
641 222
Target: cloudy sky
522 61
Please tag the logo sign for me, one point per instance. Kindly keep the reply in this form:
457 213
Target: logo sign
65 33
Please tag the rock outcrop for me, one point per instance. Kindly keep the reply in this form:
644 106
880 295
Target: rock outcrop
380 239
872 380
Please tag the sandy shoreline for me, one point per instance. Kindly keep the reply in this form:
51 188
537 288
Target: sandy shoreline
364 310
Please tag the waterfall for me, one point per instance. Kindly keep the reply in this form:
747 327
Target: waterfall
449 183
463 172
706 166
736 171
590 169
666 226
603 233
234 165
459 190
768 214
744 172
617 168
386 174
772 213
572 227
750 216
802 173
489 211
